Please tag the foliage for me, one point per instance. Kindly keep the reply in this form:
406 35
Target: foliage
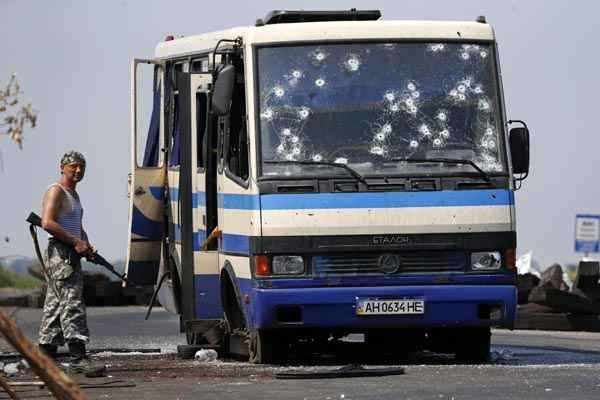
14 117
15 280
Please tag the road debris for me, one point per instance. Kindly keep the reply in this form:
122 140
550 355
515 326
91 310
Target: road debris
205 355
348 371
501 355
11 369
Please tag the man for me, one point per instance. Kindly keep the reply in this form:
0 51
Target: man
64 317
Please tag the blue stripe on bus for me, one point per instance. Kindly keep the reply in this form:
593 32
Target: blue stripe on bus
229 242
197 197
239 201
197 237
157 192
144 226
173 194
445 198
234 243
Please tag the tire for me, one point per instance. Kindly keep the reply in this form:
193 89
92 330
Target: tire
195 338
265 348
195 342
473 345
187 351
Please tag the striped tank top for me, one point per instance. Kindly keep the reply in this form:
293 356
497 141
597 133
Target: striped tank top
71 221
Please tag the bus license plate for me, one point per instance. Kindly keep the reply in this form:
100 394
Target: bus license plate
390 307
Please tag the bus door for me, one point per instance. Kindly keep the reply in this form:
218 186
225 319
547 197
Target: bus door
197 202
206 268
146 184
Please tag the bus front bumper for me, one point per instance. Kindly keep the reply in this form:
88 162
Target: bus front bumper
336 307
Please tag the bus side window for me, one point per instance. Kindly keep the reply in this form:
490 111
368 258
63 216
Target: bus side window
237 140
175 134
221 127
152 150
200 65
201 116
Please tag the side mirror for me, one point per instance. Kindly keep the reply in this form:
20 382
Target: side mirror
223 89
519 150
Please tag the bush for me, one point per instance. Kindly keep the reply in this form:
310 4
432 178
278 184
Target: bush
19 281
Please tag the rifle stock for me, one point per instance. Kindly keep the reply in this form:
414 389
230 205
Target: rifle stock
35 219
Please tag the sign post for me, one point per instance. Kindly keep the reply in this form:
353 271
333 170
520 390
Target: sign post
587 233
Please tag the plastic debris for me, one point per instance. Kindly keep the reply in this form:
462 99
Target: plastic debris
526 264
501 355
206 355
11 369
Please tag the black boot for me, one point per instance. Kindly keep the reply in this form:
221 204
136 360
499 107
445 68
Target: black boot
51 350
79 363
77 350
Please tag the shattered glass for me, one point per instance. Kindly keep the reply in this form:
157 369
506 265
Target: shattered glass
373 105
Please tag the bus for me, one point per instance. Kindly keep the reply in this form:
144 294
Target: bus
326 173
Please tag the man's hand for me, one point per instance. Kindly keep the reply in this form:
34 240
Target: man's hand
82 247
90 255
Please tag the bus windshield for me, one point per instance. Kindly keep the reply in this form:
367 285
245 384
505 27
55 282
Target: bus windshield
376 106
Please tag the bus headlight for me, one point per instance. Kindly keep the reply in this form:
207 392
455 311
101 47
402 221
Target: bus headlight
288 265
485 261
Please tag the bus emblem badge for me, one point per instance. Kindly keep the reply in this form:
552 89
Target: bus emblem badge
389 263
391 240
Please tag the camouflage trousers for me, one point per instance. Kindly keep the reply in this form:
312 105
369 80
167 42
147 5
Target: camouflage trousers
64 316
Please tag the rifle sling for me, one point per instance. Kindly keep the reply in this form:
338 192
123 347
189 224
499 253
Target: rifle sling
38 252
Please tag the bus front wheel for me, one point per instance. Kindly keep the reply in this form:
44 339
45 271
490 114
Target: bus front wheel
264 347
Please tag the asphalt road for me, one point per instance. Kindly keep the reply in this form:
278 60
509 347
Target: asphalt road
525 364
122 327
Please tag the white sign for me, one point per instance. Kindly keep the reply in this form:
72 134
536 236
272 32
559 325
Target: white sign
587 233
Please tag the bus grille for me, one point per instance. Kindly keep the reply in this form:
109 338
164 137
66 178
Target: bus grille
368 263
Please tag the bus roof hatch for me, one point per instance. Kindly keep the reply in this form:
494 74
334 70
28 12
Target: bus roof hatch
289 16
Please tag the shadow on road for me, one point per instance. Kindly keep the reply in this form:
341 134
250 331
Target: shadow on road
344 353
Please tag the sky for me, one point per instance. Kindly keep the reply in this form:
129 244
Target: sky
72 60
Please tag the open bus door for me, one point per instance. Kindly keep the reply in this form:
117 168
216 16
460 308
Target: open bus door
197 202
146 187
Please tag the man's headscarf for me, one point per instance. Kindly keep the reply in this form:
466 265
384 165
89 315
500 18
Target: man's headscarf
72 157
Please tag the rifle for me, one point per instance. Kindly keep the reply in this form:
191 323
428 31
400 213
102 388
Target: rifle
35 220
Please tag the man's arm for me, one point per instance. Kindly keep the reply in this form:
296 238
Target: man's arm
50 210
84 236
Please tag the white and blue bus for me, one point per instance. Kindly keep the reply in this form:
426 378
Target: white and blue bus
324 173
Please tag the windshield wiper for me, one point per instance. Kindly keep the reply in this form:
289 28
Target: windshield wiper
448 161
306 162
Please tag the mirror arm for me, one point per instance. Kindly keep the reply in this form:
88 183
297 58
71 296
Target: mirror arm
517 121
237 42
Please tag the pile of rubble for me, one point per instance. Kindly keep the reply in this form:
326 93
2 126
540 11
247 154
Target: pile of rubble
548 303
98 290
